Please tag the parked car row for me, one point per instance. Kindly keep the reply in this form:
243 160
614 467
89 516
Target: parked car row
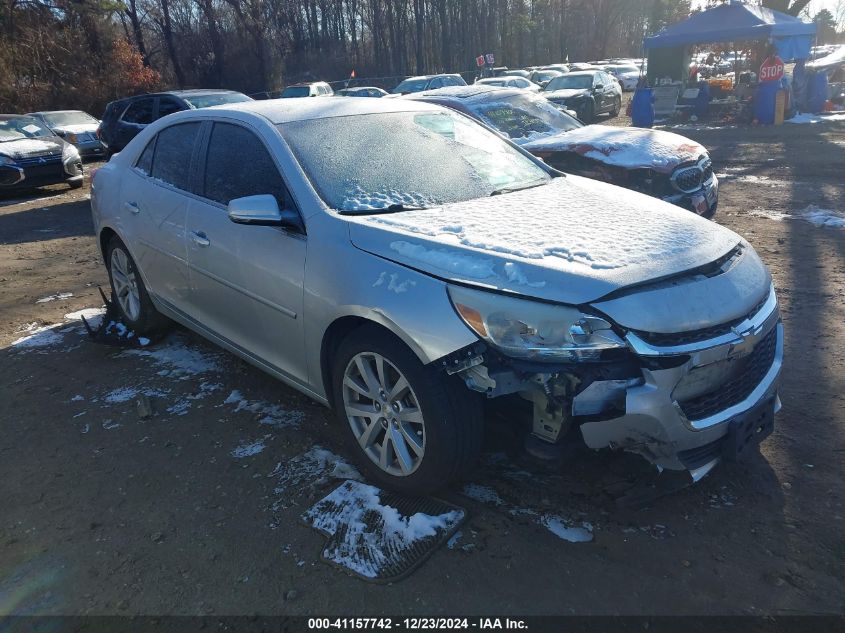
422 262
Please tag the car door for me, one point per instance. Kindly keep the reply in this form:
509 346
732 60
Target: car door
155 195
246 280
135 118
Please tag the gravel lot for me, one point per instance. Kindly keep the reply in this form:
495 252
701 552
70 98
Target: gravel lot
188 511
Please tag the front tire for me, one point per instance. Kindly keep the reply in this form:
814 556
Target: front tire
409 427
587 112
617 107
129 293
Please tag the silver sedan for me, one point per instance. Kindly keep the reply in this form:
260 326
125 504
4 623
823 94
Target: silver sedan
402 264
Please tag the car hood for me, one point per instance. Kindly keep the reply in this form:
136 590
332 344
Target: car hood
80 128
628 147
571 241
29 147
566 94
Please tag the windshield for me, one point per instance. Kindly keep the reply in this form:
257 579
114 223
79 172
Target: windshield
363 163
58 119
524 117
492 82
296 91
206 101
21 127
411 85
545 75
570 82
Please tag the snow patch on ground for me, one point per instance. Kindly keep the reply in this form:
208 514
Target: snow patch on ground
566 530
570 530
271 414
59 296
816 118
824 218
248 450
313 468
44 336
122 394
178 358
359 508
94 316
483 494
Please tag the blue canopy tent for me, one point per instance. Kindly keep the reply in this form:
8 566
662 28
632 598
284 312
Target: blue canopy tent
738 22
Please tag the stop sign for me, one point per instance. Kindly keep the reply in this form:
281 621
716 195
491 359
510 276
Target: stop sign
772 69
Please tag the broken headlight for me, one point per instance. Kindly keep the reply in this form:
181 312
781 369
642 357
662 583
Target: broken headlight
529 329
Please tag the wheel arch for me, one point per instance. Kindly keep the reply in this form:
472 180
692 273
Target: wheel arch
340 329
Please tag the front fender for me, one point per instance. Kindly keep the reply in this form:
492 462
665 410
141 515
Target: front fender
410 304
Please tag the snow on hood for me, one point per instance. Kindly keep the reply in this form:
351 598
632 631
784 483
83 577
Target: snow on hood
565 93
628 147
79 128
574 240
27 146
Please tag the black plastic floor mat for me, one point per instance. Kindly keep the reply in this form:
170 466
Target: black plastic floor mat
381 536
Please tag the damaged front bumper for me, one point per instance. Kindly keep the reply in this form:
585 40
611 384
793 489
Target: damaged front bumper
683 402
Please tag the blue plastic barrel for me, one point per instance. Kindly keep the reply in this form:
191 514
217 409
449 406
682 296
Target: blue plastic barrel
642 108
817 92
702 101
764 102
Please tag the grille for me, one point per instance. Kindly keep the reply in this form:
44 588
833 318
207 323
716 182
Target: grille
756 365
696 336
35 161
689 178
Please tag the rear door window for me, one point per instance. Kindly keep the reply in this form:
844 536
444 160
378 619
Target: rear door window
238 165
168 106
145 161
173 150
140 112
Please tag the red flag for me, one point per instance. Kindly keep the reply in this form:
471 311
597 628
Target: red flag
352 74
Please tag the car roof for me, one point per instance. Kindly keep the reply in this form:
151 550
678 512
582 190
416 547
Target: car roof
430 76
56 112
577 73
13 116
304 108
479 92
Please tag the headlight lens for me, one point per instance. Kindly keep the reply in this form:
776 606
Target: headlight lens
69 153
5 160
534 330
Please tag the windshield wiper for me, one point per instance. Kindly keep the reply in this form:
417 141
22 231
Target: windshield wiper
396 207
529 185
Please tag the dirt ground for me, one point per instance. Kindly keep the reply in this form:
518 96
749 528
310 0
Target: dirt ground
197 508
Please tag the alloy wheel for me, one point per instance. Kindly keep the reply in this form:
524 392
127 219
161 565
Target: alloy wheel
384 414
125 281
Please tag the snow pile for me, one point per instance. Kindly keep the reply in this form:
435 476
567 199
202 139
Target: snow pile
771 215
816 118
178 358
59 296
631 148
567 531
20 148
270 414
370 529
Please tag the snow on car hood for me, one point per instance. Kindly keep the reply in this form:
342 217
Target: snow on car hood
567 93
628 147
574 240
30 146
79 128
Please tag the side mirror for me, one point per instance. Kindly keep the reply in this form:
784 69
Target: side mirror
262 210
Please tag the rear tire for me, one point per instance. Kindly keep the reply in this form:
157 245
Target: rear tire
129 293
77 184
409 427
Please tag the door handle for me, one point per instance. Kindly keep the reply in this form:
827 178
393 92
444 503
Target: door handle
200 239
132 207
